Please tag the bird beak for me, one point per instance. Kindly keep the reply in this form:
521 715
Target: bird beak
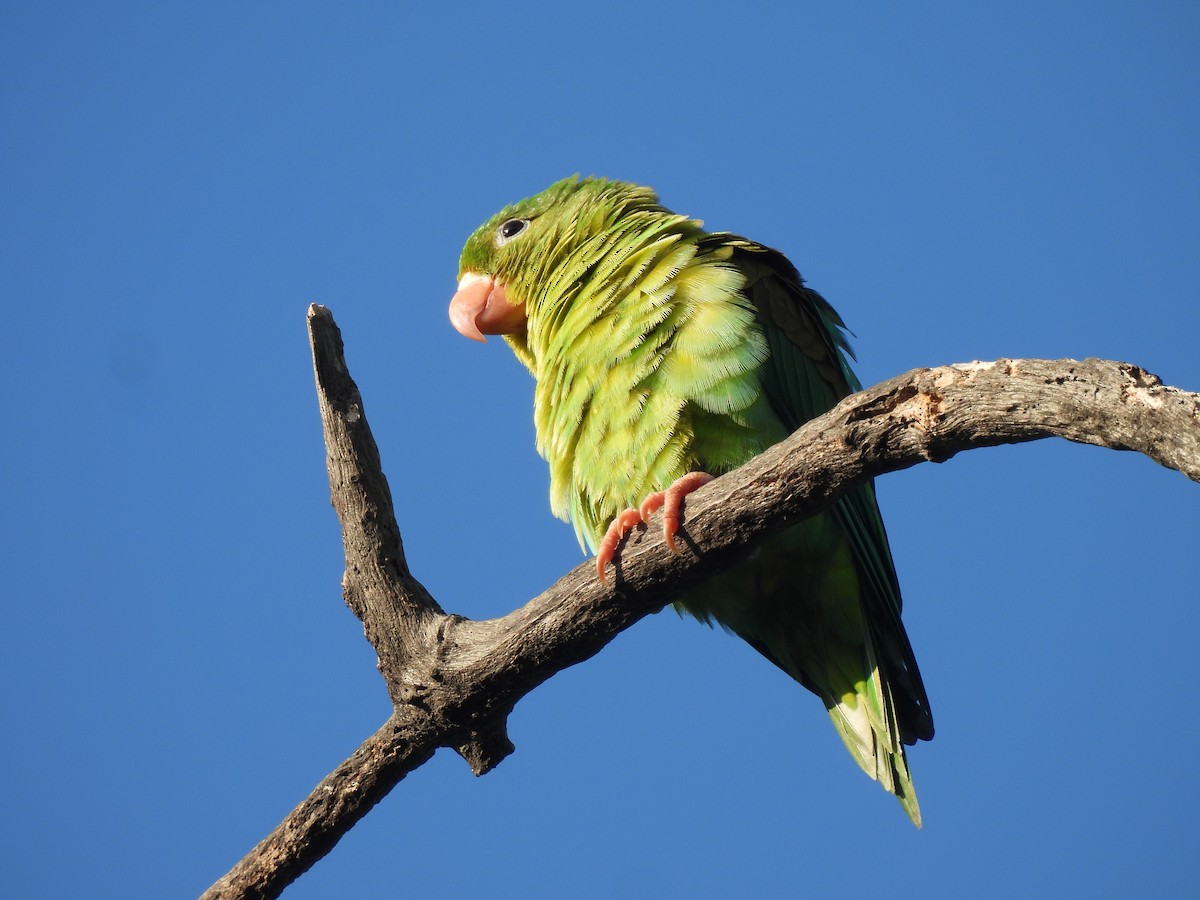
480 306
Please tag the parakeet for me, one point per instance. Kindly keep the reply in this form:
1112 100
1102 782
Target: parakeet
664 355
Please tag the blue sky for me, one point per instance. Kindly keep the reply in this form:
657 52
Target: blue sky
179 181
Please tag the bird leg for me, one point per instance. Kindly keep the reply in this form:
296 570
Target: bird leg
671 503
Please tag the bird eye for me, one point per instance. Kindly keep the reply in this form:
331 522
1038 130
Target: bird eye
509 230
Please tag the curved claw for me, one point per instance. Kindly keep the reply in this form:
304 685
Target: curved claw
671 501
612 538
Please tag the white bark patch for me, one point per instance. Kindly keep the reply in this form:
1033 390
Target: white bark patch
1144 396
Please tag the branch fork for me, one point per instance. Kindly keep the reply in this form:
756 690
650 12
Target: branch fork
453 681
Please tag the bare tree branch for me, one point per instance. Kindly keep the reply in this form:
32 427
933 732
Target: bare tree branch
454 681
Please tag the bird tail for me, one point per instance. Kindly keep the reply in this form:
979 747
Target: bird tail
866 721
799 601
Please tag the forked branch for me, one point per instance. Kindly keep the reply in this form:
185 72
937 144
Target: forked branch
453 681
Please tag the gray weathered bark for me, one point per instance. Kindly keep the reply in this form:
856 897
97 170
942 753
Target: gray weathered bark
454 681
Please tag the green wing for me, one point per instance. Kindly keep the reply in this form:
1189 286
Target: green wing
806 375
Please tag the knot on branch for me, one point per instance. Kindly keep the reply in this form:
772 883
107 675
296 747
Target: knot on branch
910 414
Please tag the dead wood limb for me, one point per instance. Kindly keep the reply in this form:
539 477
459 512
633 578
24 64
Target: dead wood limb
454 681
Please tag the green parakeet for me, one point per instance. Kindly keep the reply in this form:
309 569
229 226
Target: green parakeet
662 352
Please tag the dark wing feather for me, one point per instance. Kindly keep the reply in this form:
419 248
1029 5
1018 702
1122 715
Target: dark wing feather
807 375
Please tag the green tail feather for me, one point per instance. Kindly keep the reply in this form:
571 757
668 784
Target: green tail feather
799 601
885 763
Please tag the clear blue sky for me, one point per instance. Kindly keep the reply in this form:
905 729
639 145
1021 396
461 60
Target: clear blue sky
963 182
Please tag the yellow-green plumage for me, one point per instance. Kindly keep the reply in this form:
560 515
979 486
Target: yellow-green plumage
661 349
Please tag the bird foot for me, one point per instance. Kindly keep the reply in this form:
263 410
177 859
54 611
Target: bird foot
671 503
